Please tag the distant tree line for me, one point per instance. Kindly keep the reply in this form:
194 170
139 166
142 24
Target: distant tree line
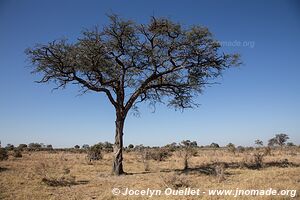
279 140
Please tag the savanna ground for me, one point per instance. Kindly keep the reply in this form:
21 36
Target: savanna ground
69 175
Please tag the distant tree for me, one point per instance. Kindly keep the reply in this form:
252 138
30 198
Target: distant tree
43 145
231 147
240 149
214 145
107 146
188 143
173 144
22 146
272 142
10 147
17 153
171 147
85 146
189 151
94 152
34 146
259 142
130 146
290 144
194 144
77 146
131 63
279 139
49 147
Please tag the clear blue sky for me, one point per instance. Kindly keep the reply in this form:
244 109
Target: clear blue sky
255 101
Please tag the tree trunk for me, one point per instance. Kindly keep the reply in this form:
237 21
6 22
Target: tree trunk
118 146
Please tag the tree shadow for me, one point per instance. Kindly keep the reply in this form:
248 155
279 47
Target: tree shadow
210 169
281 164
137 173
63 182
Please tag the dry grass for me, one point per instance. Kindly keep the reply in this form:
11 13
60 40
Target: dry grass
64 175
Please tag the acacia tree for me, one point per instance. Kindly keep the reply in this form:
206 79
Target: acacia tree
259 142
160 61
279 139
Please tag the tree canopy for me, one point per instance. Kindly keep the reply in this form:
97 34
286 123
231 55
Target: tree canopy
132 62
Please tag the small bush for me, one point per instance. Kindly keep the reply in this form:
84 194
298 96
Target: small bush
231 148
34 146
160 154
267 151
258 160
22 147
10 147
172 147
143 155
17 153
3 154
94 153
175 181
214 145
240 149
186 153
146 158
219 171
